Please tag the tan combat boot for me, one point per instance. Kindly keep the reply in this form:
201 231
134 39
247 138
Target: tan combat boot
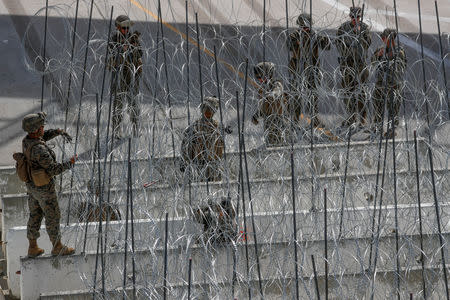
60 249
33 249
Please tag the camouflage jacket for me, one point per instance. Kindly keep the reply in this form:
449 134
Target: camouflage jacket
299 44
126 53
272 100
42 157
353 43
392 65
202 141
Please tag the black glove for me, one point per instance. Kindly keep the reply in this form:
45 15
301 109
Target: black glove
65 135
182 166
228 129
255 120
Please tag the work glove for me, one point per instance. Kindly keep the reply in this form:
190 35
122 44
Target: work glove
65 135
228 129
255 120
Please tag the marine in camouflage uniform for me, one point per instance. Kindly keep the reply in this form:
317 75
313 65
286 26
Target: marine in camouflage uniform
353 41
219 223
304 65
390 64
126 62
273 108
203 144
42 201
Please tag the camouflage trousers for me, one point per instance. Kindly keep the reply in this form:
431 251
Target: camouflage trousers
126 91
353 81
42 202
382 95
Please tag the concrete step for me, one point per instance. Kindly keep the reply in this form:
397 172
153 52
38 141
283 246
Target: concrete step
345 256
273 227
356 286
267 195
262 163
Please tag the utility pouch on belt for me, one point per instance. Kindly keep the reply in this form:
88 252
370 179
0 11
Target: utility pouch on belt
40 177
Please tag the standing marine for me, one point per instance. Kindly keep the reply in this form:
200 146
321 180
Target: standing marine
126 63
42 168
202 146
273 106
390 63
353 41
304 66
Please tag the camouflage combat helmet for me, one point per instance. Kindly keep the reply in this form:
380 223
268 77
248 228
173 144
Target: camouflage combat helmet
211 103
264 69
355 12
32 122
389 32
304 20
123 21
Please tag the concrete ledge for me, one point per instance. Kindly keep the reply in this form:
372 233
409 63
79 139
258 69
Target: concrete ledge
267 195
356 284
263 163
271 228
77 270
147 231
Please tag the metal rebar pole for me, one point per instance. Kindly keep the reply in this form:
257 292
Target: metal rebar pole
108 37
294 218
430 156
264 31
258 267
155 92
397 260
199 58
189 274
100 197
69 88
403 98
188 94
377 236
344 182
100 182
166 239
133 258
167 80
325 238
79 104
129 187
222 126
316 283
441 51
422 256
242 193
438 221
44 56
372 231
236 227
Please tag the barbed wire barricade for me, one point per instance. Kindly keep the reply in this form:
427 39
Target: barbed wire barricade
305 125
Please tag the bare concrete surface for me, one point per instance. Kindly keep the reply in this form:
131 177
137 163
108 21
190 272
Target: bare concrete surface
19 89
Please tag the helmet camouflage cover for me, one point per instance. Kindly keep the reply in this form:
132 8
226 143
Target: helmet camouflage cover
32 122
264 69
355 12
304 20
123 21
211 103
